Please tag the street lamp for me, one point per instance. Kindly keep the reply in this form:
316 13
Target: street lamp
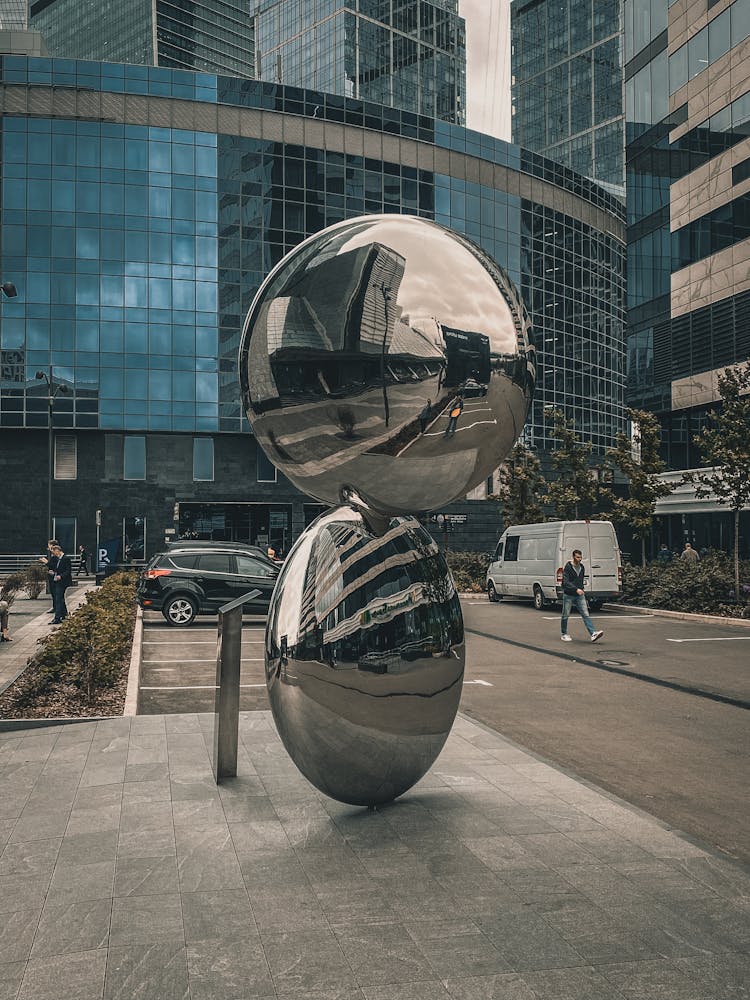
53 389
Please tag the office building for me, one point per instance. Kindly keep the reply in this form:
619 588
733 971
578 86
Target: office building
688 163
566 73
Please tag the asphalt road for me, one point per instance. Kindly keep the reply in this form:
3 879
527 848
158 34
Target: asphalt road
656 711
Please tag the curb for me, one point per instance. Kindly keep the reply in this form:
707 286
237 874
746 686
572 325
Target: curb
685 616
134 671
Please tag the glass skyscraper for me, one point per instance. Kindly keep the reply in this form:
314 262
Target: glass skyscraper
688 161
566 65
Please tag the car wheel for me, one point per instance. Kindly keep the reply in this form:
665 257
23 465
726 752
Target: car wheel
180 610
539 601
492 593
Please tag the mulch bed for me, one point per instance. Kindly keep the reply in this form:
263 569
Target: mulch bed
61 700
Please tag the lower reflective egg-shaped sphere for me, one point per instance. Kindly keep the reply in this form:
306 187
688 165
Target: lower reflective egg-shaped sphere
390 357
364 656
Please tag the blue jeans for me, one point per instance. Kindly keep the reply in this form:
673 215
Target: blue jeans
577 601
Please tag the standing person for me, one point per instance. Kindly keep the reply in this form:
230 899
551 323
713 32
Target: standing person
48 562
62 578
456 410
574 597
664 555
83 560
4 610
425 416
689 554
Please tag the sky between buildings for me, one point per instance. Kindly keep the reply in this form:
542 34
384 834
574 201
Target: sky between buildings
487 65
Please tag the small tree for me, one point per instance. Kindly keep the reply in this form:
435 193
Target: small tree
642 465
521 487
576 487
725 445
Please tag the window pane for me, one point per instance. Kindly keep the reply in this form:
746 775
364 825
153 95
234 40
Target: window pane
266 469
134 458
215 562
203 459
247 566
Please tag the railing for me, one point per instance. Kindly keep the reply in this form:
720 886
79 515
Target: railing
227 697
12 563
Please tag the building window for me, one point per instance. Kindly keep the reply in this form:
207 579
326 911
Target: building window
266 470
203 460
134 457
66 456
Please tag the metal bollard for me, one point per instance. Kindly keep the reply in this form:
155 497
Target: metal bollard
227 696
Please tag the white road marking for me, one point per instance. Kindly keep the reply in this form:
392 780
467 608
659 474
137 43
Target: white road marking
483 683
718 638
556 618
197 687
458 430
198 642
245 659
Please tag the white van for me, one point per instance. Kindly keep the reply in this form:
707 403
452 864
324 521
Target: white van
529 561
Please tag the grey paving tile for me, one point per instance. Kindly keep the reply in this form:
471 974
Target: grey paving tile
204 869
195 813
17 930
219 970
146 772
149 790
501 986
84 848
192 788
156 971
72 927
456 947
657 979
605 936
146 876
334 865
571 984
97 796
281 869
505 853
357 905
304 961
40 824
556 850
146 843
720 976
78 975
292 909
415 898
146 919
428 990
257 835
75 883
383 953
541 889
11 974
94 820
724 879
140 815
22 892
6 828
665 882
227 916
34 857
528 943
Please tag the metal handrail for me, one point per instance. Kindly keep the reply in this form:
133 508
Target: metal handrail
227 695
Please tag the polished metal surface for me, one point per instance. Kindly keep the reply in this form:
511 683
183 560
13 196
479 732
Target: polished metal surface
364 655
351 336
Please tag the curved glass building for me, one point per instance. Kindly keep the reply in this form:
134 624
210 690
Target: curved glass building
141 209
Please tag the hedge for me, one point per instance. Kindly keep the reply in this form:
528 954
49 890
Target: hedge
704 587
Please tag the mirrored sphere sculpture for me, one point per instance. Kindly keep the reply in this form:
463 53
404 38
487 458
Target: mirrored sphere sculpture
364 655
388 357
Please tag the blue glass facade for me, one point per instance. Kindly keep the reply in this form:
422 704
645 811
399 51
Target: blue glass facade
138 241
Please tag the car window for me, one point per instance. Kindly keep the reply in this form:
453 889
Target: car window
184 560
527 548
215 562
248 566
546 548
511 548
498 552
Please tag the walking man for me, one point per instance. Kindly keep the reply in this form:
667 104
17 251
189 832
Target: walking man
456 410
689 554
574 597
425 416
62 578
83 559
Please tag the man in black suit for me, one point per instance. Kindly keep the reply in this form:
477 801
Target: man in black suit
62 578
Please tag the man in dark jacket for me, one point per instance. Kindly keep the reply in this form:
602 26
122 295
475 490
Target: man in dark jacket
574 597
62 578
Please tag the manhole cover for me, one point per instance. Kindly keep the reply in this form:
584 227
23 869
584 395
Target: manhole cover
613 663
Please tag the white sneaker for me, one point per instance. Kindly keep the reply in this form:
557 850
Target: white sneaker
566 638
597 635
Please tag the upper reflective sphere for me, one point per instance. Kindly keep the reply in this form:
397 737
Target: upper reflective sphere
390 357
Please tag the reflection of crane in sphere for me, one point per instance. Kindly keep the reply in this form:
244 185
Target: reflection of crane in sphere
386 293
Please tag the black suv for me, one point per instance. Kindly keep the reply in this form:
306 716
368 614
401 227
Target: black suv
183 583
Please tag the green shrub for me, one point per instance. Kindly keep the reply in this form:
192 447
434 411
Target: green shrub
89 647
704 587
35 578
10 586
469 570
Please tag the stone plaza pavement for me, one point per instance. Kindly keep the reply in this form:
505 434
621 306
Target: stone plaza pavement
126 873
